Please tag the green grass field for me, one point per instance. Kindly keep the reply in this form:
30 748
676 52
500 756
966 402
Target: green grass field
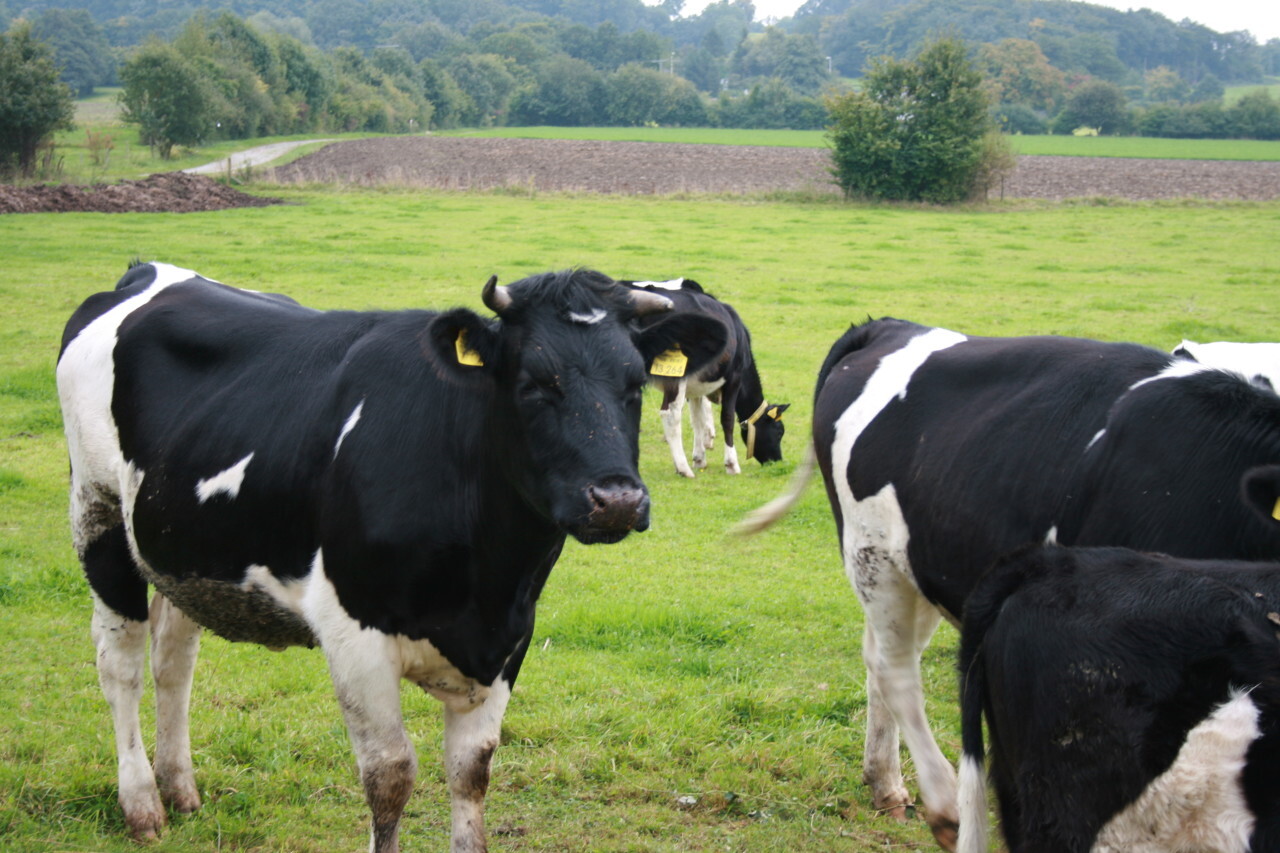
676 664
1065 146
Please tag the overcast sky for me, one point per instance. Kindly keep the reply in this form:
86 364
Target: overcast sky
1260 17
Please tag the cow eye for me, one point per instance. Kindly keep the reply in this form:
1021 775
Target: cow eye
535 391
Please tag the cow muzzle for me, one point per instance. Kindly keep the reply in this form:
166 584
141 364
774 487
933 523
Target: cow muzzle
614 510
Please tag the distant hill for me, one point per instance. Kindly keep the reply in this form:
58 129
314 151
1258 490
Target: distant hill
1076 37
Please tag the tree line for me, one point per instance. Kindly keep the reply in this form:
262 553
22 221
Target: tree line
486 62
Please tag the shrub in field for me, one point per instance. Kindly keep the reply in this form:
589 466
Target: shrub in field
915 131
167 98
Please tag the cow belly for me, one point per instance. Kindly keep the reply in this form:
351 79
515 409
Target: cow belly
1198 803
256 610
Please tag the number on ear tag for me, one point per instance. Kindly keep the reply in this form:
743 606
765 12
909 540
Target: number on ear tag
1275 511
466 355
670 363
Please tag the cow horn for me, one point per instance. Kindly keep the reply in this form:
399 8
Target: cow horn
496 299
647 302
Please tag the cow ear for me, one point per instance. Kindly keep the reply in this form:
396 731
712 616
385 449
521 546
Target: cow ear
681 344
460 342
775 412
1261 488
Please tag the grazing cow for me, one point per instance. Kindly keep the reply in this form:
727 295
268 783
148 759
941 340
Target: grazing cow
732 381
391 486
942 452
1259 363
1133 702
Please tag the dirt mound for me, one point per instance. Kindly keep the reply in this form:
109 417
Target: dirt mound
166 192
630 168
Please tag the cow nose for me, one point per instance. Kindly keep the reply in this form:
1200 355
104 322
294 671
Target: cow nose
618 506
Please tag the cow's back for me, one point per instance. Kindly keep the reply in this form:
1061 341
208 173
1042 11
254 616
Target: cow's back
977 436
1164 474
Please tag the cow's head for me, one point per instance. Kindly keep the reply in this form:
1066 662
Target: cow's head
762 432
569 367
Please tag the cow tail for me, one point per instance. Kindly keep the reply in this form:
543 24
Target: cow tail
766 516
973 777
980 613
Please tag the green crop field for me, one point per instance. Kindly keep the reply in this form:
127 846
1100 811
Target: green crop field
683 691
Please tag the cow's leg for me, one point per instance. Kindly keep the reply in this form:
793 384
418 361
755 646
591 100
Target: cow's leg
728 401
121 644
902 622
703 432
365 668
175 642
470 738
881 764
119 631
673 396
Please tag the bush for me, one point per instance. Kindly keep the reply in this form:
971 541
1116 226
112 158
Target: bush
1019 118
915 132
1097 104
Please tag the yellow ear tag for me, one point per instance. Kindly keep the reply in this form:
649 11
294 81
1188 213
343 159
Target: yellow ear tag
1275 511
670 363
466 355
773 413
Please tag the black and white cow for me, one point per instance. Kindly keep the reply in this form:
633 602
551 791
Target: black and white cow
732 381
1133 702
942 452
1257 362
391 486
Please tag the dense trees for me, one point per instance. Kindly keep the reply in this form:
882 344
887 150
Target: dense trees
399 65
79 48
33 102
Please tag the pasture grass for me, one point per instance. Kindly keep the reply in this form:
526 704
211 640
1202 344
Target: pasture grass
683 691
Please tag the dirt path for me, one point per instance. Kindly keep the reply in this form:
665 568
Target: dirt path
252 157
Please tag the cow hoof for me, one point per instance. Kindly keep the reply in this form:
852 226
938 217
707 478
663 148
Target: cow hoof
145 828
945 832
184 803
685 472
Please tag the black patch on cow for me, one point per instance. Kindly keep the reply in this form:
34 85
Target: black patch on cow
1092 665
112 575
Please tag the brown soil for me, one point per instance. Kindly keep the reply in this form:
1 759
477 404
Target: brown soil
167 192
648 167
631 168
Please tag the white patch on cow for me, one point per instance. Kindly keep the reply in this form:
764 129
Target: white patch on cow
287 592
226 482
673 284
1051 538
591 319
1247 359
86 382
1178 369
349 647
899 621
1198 803
973 806
347 427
